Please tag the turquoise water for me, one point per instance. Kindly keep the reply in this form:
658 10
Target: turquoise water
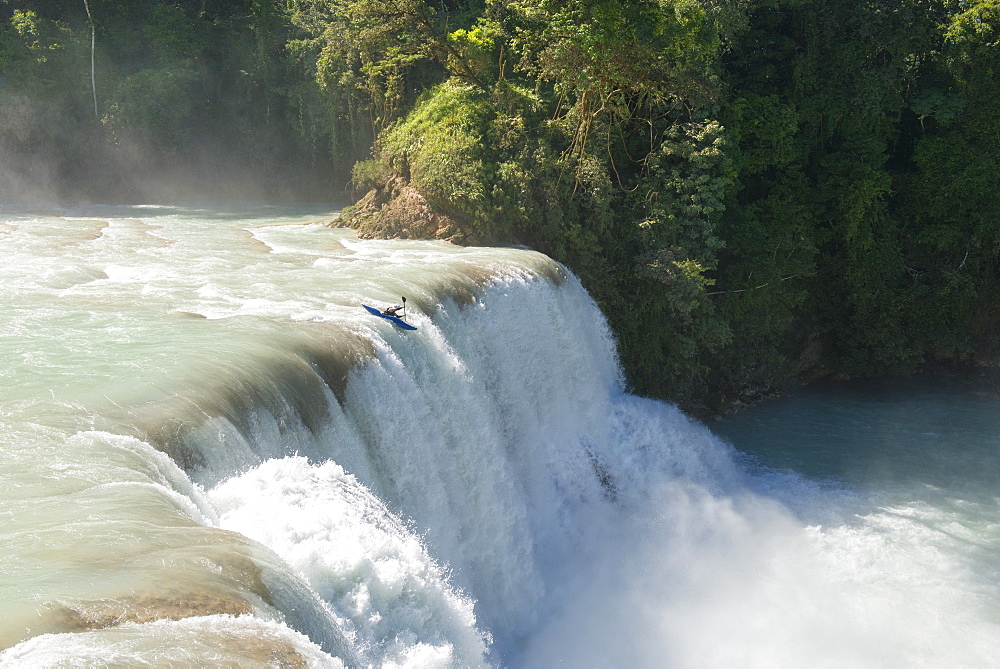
211 455
903 435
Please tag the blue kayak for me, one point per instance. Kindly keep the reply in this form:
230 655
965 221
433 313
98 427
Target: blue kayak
398 322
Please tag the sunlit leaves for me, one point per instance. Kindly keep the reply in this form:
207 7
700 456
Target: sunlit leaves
974 39
41 36
688 179
609 62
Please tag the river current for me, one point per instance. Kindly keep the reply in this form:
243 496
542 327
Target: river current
211 455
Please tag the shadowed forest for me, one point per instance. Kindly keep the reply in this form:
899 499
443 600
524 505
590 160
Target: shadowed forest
754 191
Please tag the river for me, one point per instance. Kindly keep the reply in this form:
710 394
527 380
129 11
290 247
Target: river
212 455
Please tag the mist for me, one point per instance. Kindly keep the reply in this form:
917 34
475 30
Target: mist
169 104
50 156
702 579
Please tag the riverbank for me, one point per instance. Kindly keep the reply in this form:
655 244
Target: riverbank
395 209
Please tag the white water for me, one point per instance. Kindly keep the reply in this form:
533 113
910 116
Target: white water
291 480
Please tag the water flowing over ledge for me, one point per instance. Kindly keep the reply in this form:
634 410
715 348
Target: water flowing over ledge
212 454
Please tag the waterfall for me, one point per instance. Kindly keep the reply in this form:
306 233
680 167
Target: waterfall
213 455
498 434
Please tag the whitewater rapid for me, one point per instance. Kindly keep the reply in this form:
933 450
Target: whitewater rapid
212 455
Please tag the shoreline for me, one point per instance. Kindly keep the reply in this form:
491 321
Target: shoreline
982 380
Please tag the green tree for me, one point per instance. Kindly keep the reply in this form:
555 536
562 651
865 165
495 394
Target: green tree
950 201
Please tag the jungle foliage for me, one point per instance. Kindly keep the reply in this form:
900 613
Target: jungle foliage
753 190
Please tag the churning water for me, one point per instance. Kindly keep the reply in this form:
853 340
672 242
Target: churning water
211 455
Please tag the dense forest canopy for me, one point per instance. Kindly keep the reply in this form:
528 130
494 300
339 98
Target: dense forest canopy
753 190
